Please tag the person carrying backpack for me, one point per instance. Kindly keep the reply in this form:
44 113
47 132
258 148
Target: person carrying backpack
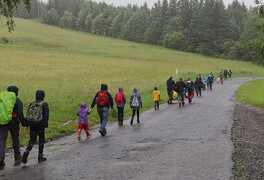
37 117
180 85
210 80
104 101
170 87
13 125
198 86
135 104
120 99
190 89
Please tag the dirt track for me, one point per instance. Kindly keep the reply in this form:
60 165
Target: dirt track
192 142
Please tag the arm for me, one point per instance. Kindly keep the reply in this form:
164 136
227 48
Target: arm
94 101
45 118
18 108
111 102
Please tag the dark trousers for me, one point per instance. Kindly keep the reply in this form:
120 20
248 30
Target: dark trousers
120 114
133 114
198 91
36 130
210 85
156 105
14 128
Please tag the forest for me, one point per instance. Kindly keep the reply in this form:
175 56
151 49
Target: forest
205 27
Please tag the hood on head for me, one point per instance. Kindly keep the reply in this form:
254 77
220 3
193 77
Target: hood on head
83 105
13 89
120 89
135 90
40 94
104 87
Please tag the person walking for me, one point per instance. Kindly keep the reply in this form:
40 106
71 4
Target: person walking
156 98
210 80
170 87
104 101
120 99
198 86
135 104
179 86
83 120
190 89
38 117
14 127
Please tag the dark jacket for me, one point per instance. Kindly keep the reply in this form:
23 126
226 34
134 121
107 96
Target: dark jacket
110 99
180 85
40 94
198 84
18 115
170 84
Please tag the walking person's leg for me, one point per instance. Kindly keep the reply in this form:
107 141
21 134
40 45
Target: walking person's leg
133 114
138 116
3 138
41 134
14 131
32 140
104 115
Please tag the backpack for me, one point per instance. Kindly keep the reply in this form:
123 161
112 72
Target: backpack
102 99
135 102
34 112
119 97
189 86
7 103
210 79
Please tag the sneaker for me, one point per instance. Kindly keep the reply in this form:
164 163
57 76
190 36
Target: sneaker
17 162
103 133
41 158
2 165
79 138
25 156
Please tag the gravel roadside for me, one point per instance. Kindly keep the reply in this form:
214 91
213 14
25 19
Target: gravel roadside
248 139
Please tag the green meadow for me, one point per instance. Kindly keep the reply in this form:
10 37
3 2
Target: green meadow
252 93
70 66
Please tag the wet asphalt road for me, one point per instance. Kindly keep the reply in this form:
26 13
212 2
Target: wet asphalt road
190 142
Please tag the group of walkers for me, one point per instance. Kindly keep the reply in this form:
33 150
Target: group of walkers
186 88
36 118
38 112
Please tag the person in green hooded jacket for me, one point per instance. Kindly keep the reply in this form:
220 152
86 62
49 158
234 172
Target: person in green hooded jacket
13 126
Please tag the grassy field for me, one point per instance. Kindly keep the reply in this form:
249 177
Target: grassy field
252 93
70 66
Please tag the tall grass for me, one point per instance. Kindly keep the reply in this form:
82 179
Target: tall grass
70 66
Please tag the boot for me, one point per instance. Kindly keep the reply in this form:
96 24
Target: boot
138 121
131 122
25 156
41 158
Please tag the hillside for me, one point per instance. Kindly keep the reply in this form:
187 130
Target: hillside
71 65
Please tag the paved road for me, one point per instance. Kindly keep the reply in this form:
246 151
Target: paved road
189 143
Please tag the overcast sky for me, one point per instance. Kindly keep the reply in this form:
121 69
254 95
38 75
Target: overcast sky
151 2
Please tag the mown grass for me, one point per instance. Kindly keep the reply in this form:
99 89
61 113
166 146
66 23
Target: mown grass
252 93
70 66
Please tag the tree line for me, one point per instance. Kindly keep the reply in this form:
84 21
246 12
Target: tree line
199 26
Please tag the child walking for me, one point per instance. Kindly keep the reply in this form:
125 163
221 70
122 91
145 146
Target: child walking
37 116
156 97
135 104
83 120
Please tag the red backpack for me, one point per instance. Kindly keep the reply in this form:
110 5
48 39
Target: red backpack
119 97
102 99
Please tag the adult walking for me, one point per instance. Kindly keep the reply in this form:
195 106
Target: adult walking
210 80
135 104
104 101
170 87
198 86
13 126
120 99
190 89
179 86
